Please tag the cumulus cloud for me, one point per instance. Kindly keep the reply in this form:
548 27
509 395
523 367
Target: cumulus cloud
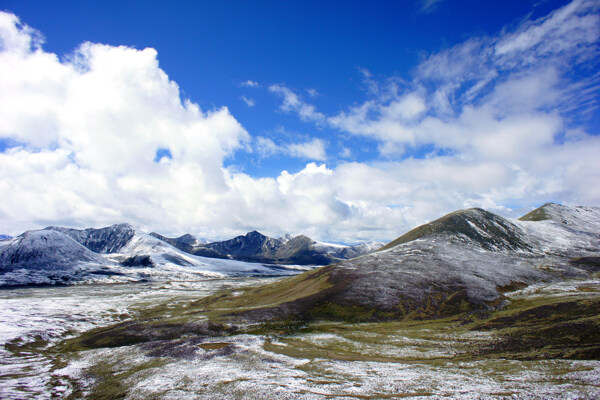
88 131
485 123
104 137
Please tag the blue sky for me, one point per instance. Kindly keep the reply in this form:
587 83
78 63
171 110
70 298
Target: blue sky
347 121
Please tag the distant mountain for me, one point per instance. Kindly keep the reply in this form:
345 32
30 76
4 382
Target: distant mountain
256 247
185 243
461 262
5 237
104 240
46 249
45 257
117 253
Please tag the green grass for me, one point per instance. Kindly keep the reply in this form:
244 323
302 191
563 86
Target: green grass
461 222
236 302
539 214
532 327
546 327
111 378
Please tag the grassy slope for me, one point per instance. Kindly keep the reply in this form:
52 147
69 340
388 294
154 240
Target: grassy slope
468 223
539 214
536 328
305 298
530 327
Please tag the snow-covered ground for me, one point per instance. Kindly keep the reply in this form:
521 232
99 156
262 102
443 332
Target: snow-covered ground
53 313
248 371
259 367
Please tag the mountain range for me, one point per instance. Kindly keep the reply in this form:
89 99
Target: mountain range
256 247
462 262
120 253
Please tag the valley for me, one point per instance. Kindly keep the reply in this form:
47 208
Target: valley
469 306
464 356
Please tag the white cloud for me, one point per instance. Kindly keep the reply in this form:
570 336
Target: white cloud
249 101
266 147
310 150
507 94
94 125
406 107
312 92
485 123
345 152
250 84
292 102
567 29
313 150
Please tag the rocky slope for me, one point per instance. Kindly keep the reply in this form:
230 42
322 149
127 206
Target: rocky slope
185 242
462 262
104 240
256 247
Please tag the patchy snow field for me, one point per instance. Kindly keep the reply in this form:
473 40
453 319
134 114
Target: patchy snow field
348 361
50 314
246 370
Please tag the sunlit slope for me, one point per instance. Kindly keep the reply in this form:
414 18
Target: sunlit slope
462 262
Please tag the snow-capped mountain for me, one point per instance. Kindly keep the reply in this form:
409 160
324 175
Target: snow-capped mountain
343 252
463 261
45 248
256 247
104 240
118 253
45 257
185 243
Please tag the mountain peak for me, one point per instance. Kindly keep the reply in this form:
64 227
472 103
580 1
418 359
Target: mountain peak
542 213
50 249
586 219
188 239
285 238
482 227
255 234
109 239
124 225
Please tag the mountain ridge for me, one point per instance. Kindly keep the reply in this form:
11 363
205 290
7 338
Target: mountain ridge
118 253
462 262
256 247
109 239
480 226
